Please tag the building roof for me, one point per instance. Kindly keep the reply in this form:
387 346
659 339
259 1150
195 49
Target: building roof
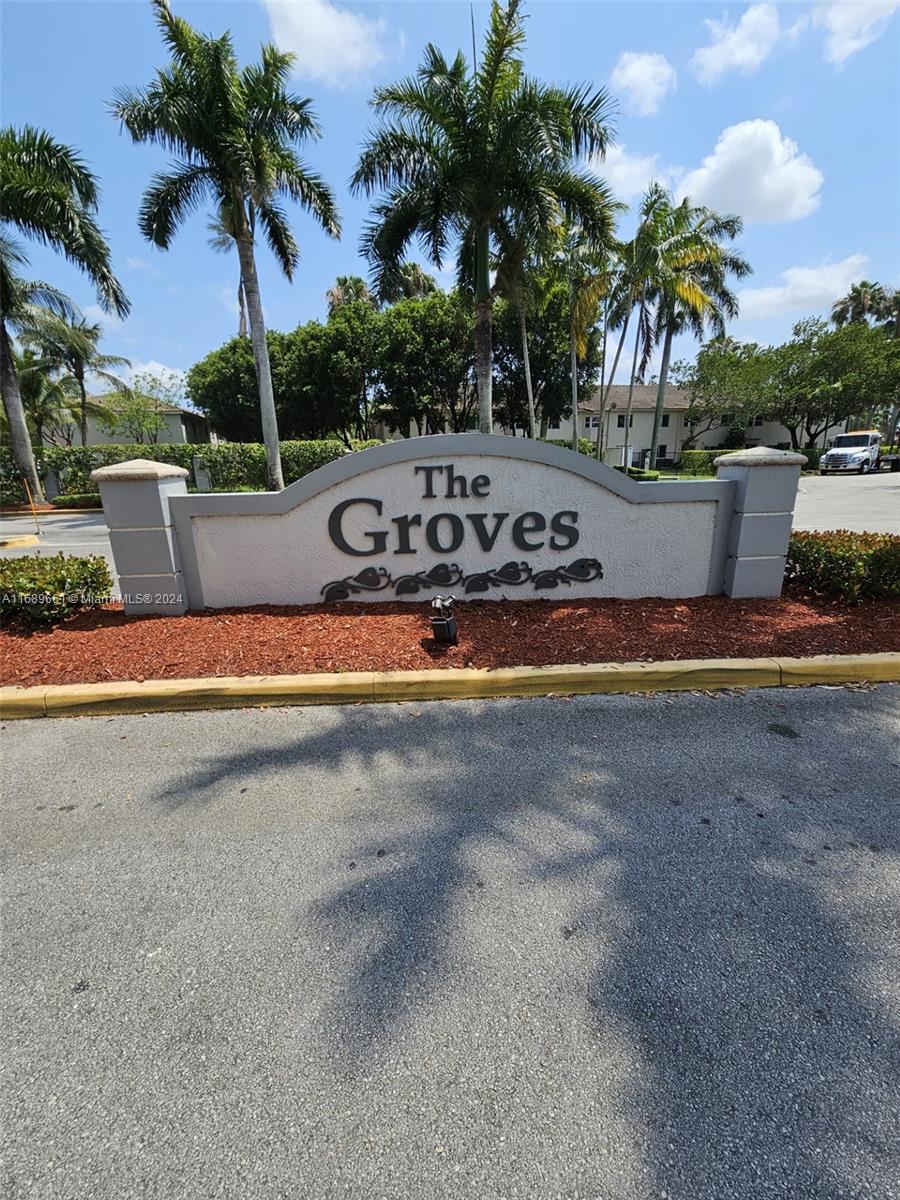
111 400
643 400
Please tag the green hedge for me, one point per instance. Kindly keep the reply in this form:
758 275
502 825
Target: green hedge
78 500
42 589
231 465
700 462
813 454
845 565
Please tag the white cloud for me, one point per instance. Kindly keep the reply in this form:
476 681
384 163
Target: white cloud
645 79
742 47
227 296
757 172
95 315
852 26
139 264
168 376
628 174
331 43
803 289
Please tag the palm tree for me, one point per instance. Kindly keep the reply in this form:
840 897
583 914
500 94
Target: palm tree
411 283
588 267
71 349
347 289
51 405
47 195
864 300
457 152
234 134
704 260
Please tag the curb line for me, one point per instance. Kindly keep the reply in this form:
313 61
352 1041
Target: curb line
26 539
361 687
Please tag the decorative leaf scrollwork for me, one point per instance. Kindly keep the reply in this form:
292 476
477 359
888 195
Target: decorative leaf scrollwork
447 575
443 575
583 570
511 574
371 579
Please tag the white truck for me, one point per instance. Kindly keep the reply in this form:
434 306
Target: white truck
859 451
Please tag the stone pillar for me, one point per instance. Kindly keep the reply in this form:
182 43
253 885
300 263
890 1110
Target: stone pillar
135 499
763 514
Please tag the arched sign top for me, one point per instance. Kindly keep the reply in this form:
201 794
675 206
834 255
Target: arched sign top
446 446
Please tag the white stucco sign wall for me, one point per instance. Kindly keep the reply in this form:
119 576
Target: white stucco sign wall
482 517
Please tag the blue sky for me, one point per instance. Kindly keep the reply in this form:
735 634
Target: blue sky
784 113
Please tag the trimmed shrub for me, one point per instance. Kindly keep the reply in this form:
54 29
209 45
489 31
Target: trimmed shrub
43 589
700 462
845 565
813 454
73 464
78 500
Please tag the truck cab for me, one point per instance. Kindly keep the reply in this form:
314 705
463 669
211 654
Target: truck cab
858 451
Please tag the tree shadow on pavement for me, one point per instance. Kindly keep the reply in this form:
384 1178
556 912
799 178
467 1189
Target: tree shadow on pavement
736 941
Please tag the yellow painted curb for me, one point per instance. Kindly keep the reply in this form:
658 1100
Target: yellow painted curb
13 543
179 695
840 668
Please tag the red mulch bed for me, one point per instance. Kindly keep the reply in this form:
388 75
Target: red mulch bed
104 644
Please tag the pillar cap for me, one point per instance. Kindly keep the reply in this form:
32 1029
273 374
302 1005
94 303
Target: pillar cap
761 456
138 469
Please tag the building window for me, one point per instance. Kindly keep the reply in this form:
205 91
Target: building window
665 421
592 422
620 421
554 424
661 452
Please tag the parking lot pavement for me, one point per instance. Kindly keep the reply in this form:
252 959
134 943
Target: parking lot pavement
73 533
860 502
614 947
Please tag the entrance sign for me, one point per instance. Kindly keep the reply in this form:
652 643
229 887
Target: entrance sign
483 516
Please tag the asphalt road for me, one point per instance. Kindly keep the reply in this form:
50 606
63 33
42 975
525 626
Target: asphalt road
608 948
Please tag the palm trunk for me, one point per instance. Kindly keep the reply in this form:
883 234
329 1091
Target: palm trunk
82 419
573 369
242 310
612 373
19 436
598 448
261 357
661 392
527 361
637 341
483 333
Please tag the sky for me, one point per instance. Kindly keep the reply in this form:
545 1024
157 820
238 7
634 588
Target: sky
786 114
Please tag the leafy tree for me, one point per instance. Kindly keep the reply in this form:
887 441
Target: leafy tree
48 195
548 351
233 132
726 385
72 349
458 152
425 364
135 416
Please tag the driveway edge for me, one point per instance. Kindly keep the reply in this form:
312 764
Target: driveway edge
360 687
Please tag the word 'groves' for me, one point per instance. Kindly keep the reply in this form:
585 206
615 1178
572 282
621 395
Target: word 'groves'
445 532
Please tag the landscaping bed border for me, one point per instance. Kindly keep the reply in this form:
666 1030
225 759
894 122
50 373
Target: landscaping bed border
362 687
